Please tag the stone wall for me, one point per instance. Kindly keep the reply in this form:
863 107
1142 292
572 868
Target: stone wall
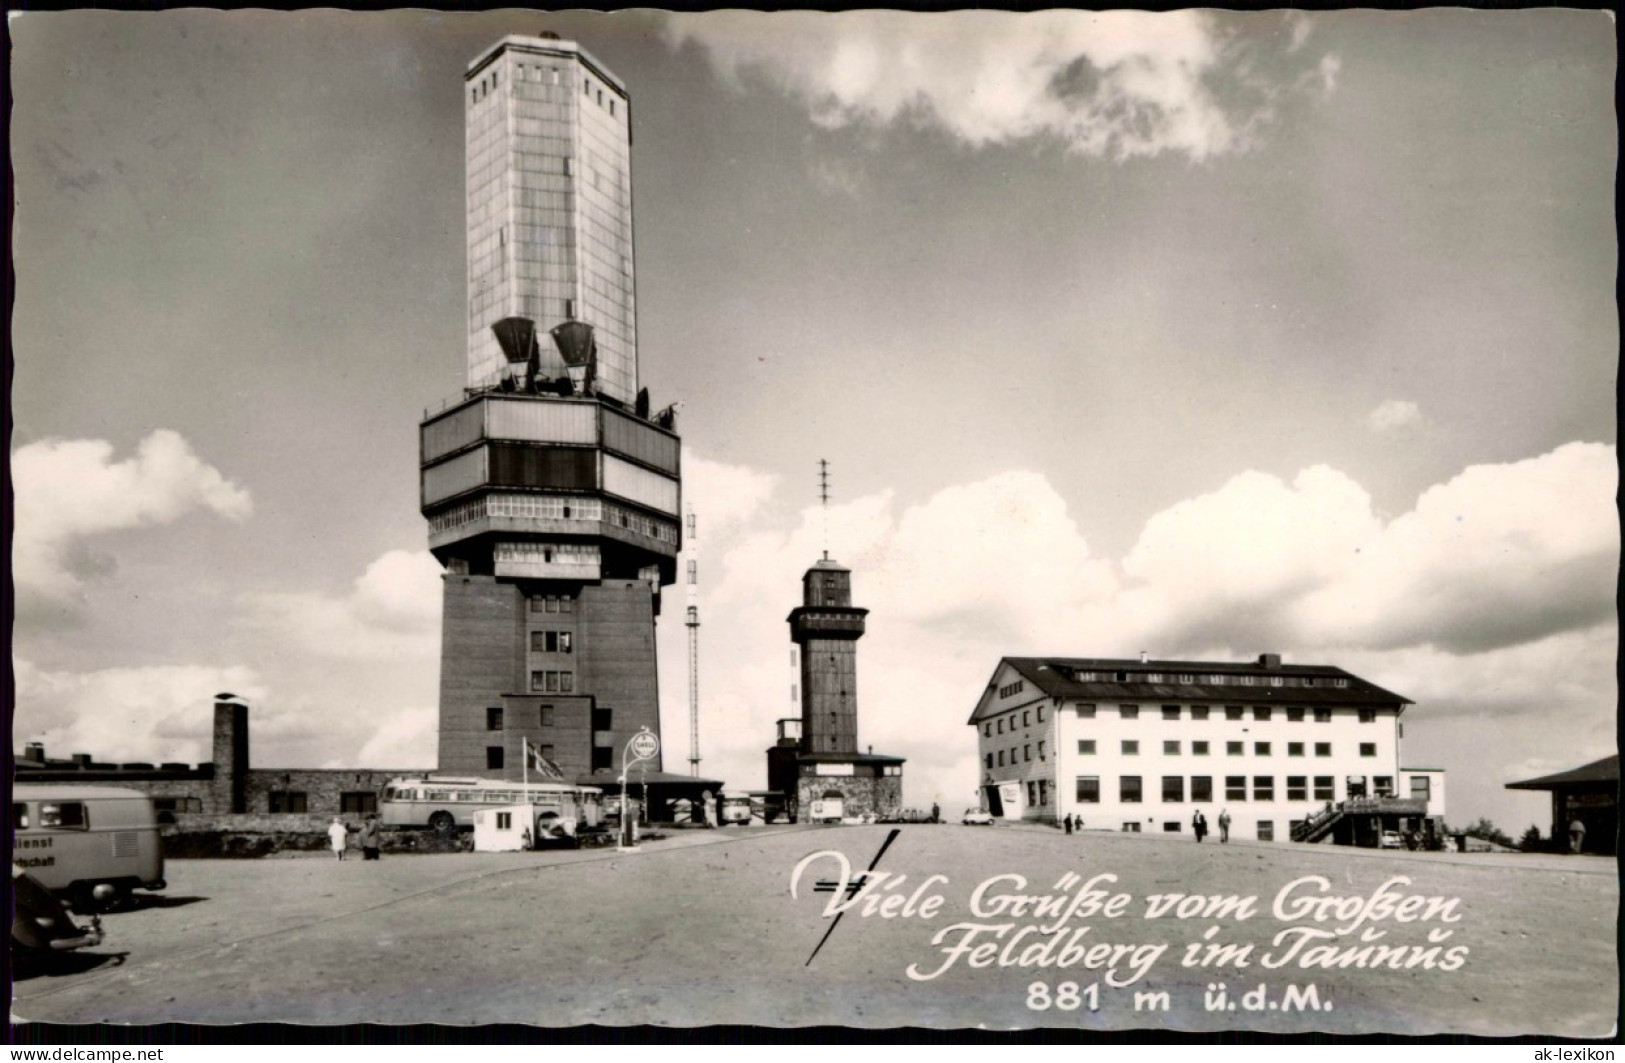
880 797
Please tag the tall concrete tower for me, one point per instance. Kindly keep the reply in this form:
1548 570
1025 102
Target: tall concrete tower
552 494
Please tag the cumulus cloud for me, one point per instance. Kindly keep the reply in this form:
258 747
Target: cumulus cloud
155 714
1393 415
391 611
1118 84
1490 601
70 491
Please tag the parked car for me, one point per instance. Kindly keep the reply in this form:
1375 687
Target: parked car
977 817
1390 839
40 922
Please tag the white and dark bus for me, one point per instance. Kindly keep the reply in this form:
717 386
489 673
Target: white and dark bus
444 803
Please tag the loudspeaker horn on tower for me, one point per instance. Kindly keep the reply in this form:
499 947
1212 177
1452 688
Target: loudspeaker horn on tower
579 351
517 338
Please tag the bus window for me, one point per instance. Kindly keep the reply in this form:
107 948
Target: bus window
63 814
19 817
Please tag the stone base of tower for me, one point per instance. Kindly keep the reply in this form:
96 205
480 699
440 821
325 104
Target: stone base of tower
568 668
831 787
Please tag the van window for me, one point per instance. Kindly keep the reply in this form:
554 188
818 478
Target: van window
63 814
19 816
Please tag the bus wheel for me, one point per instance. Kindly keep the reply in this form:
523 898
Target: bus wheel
442 823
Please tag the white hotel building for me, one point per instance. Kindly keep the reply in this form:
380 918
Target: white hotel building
1140 745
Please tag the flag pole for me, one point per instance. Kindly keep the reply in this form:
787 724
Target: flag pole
524 755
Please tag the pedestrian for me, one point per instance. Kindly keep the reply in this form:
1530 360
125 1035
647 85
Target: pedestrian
1069 823
936 813
1577 835
1224 824
368 837
1199 825
338 834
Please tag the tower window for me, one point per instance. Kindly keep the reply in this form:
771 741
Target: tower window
493 719
493 757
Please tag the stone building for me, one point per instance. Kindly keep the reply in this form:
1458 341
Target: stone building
815 763
226 791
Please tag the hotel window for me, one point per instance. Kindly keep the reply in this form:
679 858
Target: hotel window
1040 714
1027 752
1232 712
1340 682
1201 787
1368 715
1032 792
1170 712
1170 749
1001 725
1198 712
1040 750
1261 712
1235 787
1263 787
493 757
1086 712
1170 826
1421 788
1294 749
612 108
1086 746
990 760
1294 715
1173 788
1323 749
1026 719
1129 712
1187 678
1234 749
987 730
1001 758
1297 787
1383 785
493 719
1368 749
1323 715
1130 747
1261 749
1128 790
1088 792
547 716
1266 830
1198 749
1324 788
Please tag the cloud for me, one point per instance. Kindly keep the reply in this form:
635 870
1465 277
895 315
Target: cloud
1119 84
723 496
1503 618
154 714
1393 415
391 612
68 491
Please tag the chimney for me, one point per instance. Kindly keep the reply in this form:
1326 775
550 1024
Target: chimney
1269 660
35 751
1145 658
230 754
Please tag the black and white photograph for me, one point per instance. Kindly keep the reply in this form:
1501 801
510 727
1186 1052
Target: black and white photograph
972 520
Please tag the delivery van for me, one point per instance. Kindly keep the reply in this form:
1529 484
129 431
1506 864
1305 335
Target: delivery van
92 845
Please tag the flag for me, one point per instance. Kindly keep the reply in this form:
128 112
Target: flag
546 767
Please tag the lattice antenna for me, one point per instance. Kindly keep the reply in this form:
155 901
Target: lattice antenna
823 500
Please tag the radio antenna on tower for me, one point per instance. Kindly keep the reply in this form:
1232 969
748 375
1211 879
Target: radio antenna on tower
693 546
823 500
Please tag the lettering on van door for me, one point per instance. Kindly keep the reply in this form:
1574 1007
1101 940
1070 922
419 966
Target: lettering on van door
34 861
32 843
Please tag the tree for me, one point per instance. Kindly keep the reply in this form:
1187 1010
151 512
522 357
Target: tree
1483 828
1530 842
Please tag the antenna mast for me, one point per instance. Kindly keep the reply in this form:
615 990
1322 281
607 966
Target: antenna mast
693 546
823 500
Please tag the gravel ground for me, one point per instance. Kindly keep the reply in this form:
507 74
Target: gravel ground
700 929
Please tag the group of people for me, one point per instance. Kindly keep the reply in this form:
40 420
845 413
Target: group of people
1072 823
338 835
1199 825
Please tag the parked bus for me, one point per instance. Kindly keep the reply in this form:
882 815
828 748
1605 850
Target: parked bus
90 844
735 810
443 803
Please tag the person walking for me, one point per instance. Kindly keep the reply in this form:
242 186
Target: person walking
1577 835
337 835
368 837
1224 824
1069 823
1199 825
936 813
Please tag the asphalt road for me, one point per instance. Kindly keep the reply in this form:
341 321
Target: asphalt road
701 929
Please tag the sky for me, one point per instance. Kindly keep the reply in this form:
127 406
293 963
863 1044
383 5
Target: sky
1198 334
